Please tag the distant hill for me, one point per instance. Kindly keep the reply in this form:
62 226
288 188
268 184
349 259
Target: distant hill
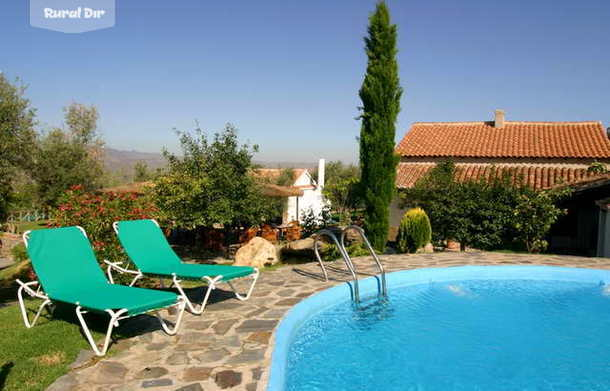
122 162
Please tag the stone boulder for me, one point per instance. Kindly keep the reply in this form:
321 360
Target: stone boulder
258 252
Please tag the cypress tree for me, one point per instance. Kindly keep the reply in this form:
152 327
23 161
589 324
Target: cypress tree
380 94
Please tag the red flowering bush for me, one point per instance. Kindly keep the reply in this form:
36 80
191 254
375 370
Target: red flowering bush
96 212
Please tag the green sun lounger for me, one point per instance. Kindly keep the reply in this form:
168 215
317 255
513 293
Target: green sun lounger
69 273
146 246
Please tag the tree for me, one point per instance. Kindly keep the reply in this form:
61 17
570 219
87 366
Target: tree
341 185
141 173
380 94
17 137
68 158
210 183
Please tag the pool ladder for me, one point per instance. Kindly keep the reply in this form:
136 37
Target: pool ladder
383 291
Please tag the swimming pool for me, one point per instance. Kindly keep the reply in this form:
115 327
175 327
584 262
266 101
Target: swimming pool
460 328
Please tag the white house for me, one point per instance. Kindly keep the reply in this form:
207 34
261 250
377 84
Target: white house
311 197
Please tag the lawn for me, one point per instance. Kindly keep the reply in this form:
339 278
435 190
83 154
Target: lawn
31 359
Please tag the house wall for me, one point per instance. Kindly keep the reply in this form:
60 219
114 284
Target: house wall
312 198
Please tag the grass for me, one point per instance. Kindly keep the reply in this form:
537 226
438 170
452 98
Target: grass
31 359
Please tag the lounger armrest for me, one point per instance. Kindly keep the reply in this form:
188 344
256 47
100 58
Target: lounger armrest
115 265
27 287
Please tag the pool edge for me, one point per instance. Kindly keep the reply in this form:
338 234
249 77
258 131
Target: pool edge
369 286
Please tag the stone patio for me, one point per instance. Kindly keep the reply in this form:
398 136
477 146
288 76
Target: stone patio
230 345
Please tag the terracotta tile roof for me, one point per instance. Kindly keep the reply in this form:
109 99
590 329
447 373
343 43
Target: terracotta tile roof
537 176
515 139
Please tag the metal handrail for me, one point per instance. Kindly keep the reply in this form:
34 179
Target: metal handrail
384 290
346 258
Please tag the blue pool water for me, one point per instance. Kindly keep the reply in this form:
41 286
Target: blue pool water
460 335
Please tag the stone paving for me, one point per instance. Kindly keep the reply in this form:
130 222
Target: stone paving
230 345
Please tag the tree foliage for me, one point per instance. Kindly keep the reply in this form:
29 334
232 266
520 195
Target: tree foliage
211 183
17 137
487 213
141 173
341 189
380 94
66 158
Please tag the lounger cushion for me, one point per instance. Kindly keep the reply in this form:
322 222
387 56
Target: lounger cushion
116 297
148 248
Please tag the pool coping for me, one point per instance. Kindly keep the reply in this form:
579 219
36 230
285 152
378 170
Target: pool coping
369 287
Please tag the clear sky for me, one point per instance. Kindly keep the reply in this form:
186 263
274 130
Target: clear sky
287 72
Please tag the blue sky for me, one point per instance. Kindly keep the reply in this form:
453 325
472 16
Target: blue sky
287 72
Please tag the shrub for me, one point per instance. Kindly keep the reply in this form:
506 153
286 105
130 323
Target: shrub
19 253
96 213
488 213
414 231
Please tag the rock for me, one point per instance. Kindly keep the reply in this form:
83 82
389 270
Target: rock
428 248
110 372
300 245
228 379
251 387
152 373
191 387
197 373
257 253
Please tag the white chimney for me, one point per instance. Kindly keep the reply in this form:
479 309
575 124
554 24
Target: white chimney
321 167
499 120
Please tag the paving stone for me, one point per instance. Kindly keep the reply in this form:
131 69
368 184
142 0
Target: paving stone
157 383
212 355
256 373
222 326
285 292
83 358
251 387
152 373
257 312
197 338
197 325
109 372
227 379
66 382
260 337
178 358
256 325
157 346
191 387
288 302
196 373
247 356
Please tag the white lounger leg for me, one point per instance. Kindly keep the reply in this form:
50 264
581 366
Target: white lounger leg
27 287
181 307
211 286
114 322
254 277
